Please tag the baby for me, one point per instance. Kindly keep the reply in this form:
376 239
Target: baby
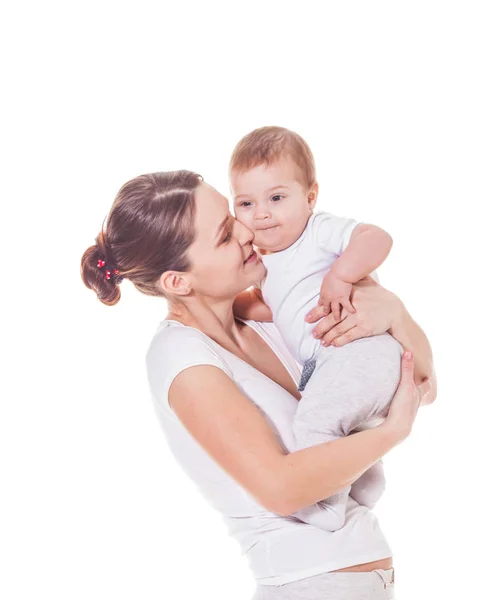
309 256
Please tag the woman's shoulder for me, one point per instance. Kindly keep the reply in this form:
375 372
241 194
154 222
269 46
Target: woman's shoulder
175 348
174 341
173 332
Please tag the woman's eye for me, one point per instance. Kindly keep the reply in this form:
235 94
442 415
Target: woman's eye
277 197
227 238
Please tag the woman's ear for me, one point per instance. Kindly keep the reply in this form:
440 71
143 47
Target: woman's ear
313 195
175 283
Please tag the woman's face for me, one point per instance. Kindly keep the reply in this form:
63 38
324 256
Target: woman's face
223 262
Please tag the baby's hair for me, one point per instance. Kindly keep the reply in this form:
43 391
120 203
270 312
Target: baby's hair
266 145
149 230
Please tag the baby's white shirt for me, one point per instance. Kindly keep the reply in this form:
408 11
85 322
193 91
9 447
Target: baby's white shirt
291 287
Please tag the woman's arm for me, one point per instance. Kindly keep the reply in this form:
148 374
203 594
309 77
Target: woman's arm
379 310
233 431
411 337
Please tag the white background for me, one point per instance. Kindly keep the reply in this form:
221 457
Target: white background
395 101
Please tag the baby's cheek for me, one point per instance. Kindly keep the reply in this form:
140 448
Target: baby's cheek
241 217
247 222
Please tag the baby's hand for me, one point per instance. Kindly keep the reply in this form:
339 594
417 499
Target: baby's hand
335 294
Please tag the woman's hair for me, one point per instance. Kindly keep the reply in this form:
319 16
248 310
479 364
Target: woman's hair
266 145
148 231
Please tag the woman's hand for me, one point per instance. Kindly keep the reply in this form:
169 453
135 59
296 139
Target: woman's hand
376 308
406 401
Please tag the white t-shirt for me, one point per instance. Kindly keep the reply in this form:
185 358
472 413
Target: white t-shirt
279 549
292 284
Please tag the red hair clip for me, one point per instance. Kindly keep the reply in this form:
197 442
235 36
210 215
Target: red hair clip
102 263
108 273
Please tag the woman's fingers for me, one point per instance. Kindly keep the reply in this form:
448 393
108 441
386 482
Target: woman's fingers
407 367
329 329
326 327
408 362
349 336
405 402
317 313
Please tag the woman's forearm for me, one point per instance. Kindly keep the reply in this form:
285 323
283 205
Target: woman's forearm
411 337
313 474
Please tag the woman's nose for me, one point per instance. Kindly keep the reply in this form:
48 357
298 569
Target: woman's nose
245 235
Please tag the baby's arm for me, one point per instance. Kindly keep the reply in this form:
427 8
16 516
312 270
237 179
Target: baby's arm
250 305
368 247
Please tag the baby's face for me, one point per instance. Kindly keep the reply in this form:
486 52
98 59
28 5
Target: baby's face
272 202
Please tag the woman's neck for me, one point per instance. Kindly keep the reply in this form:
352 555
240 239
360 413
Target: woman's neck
216 321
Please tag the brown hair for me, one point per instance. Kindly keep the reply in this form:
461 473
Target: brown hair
267 145
148 231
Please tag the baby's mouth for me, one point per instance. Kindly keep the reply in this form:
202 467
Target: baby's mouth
267 228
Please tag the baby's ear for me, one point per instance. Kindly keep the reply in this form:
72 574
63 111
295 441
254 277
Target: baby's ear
313 195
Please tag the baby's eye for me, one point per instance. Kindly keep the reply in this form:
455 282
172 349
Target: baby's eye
277 197
245 204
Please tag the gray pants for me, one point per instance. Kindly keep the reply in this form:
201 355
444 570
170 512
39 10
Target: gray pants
374 585
350 389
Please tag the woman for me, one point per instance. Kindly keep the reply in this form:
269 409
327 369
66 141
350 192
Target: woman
225 390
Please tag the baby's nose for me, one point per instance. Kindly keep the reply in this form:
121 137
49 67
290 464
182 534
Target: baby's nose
262 213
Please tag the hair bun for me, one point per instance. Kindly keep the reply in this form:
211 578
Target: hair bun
99 276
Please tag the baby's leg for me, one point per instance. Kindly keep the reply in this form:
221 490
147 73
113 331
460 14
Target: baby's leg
349 387
319 420
328 514
369 488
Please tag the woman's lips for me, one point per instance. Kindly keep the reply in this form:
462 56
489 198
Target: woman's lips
251 258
